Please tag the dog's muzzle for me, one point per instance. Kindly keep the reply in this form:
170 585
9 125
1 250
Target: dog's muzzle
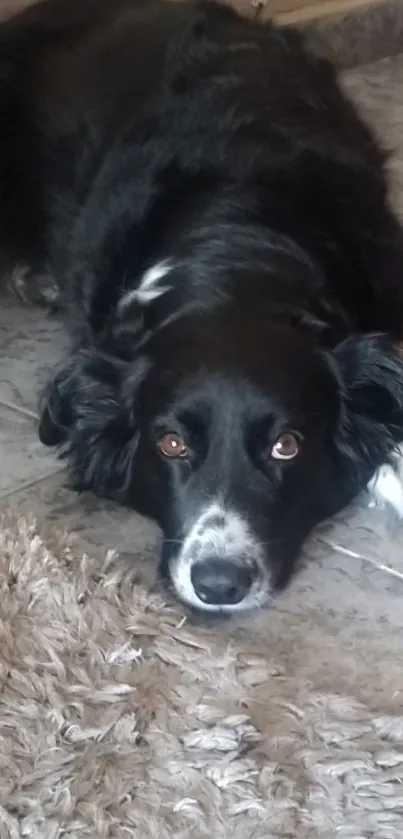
220 566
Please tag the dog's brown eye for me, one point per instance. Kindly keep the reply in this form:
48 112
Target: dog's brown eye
286 446
172 445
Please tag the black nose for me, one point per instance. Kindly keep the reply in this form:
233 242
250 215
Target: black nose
221 582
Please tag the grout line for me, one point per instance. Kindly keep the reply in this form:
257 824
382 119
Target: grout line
387 569
20 410
29 484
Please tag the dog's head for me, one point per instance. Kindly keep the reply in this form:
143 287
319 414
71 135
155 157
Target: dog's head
236 442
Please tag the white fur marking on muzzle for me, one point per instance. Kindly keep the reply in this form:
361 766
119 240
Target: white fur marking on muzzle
224 534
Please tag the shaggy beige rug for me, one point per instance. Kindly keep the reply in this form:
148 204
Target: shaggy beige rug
120 718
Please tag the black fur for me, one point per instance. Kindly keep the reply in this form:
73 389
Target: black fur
135 132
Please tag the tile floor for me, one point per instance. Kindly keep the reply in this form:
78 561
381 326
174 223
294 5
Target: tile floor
32 480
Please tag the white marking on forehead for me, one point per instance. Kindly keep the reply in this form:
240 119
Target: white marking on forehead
148 290
222 533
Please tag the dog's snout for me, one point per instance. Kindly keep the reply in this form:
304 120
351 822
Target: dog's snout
221 582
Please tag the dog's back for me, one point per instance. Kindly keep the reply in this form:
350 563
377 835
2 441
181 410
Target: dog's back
115 113
70 78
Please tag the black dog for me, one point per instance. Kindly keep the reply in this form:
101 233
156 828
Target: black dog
214 213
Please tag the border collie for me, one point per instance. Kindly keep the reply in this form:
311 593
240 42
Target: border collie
213 212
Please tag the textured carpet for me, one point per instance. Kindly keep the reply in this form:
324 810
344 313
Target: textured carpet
119 718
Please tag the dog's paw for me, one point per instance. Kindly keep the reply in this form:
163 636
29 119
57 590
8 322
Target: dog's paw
35 289
386 487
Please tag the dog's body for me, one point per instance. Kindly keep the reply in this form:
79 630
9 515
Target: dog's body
214 213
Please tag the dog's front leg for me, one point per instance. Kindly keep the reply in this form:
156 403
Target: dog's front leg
386 487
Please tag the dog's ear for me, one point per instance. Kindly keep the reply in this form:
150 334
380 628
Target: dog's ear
370 370
82 412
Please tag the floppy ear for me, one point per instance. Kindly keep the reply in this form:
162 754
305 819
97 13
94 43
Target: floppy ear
370 368
82 412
